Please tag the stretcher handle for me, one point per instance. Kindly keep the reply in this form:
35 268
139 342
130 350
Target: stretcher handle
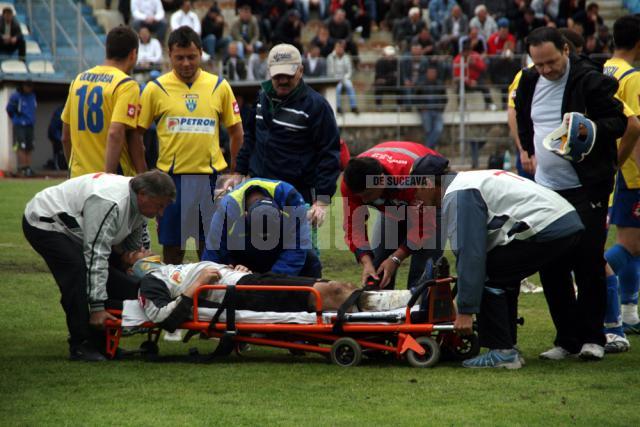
309 289
421 288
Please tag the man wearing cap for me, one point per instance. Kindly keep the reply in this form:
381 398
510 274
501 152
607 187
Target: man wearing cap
377 178
262 224
502 228
561 83
293 135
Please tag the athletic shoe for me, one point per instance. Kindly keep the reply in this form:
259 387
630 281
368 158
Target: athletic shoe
631 329
508 359
522 361
527 287
174 336
556 353
591 351
616 344
85 352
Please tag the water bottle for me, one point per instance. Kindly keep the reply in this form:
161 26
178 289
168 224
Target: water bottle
507 160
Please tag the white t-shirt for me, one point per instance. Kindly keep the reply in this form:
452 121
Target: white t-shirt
150 52
553 171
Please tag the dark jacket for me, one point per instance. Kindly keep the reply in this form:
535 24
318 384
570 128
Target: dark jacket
15 28
22 108
234 72
590 92
319 71
294 140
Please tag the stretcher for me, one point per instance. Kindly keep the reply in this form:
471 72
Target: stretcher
421 335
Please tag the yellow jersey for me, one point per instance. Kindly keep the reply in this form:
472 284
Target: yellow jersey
511 103
629 93
98 97
188 119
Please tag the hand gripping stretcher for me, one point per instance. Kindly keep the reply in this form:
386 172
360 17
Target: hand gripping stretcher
420 335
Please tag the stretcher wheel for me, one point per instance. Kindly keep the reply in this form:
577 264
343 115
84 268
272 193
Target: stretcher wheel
429 358
464 348
149 348
346 352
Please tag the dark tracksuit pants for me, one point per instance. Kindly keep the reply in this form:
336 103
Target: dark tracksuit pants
578 320
65 260
506 266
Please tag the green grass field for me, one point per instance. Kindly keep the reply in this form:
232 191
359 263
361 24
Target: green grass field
38 386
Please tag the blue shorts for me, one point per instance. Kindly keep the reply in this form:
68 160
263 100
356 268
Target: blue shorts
625 211
190 215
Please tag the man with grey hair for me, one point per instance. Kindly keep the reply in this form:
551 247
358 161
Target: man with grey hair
484 22
75 226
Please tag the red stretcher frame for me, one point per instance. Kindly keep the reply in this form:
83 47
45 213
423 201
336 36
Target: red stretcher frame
420 342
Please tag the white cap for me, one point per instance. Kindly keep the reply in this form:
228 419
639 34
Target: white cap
284 59
389 50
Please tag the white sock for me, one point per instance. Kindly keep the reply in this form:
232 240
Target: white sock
630 314
384 300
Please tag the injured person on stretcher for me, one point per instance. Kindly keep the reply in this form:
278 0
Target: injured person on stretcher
166 291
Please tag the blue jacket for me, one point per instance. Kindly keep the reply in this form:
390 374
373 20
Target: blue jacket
295 140
227 242
22 108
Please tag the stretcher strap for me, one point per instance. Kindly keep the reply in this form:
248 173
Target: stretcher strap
350 302
418 291
228 304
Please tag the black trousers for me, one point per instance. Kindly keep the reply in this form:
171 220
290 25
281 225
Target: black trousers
506 266
8 48
579 319
65 260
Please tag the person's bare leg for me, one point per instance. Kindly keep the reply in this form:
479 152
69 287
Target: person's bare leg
172 255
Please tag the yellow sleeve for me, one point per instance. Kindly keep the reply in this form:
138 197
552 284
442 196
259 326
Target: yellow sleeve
230 114
125 104
66 112
512 90
632 93
145 115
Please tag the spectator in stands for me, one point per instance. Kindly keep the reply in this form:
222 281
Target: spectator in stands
339 66
356 14
496 43
455 26
274 10
425 41
289 29
503 67
307 5
546 9
12 38
431 104
439 12
149 13
340 29
54 132
589 19
245 31
497 8
474 72
213 39
258 68
405 29
483 21
324 41
412 71
567 9
385 80
602 41
314 64
526 24
149 51
477 43
234 68
22 111
186 16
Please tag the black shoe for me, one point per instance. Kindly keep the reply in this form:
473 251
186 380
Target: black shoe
339 110
355 110
85 352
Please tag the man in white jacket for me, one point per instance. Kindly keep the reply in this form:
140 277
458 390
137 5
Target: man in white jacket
75 226
339 66
150 14
185 16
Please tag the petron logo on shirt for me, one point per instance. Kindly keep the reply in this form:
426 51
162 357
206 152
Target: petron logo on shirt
191 125
191 101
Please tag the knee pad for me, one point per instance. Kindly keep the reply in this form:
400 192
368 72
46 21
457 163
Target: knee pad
618 257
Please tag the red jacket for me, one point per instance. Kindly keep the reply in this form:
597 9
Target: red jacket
396 158
475 66
495 45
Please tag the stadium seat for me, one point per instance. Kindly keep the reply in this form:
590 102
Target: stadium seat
24 29
41 66
108 19
13 66
33 48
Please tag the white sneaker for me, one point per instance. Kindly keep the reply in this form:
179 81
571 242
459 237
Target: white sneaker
173 336
616 344
556 353
527 287
591 351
